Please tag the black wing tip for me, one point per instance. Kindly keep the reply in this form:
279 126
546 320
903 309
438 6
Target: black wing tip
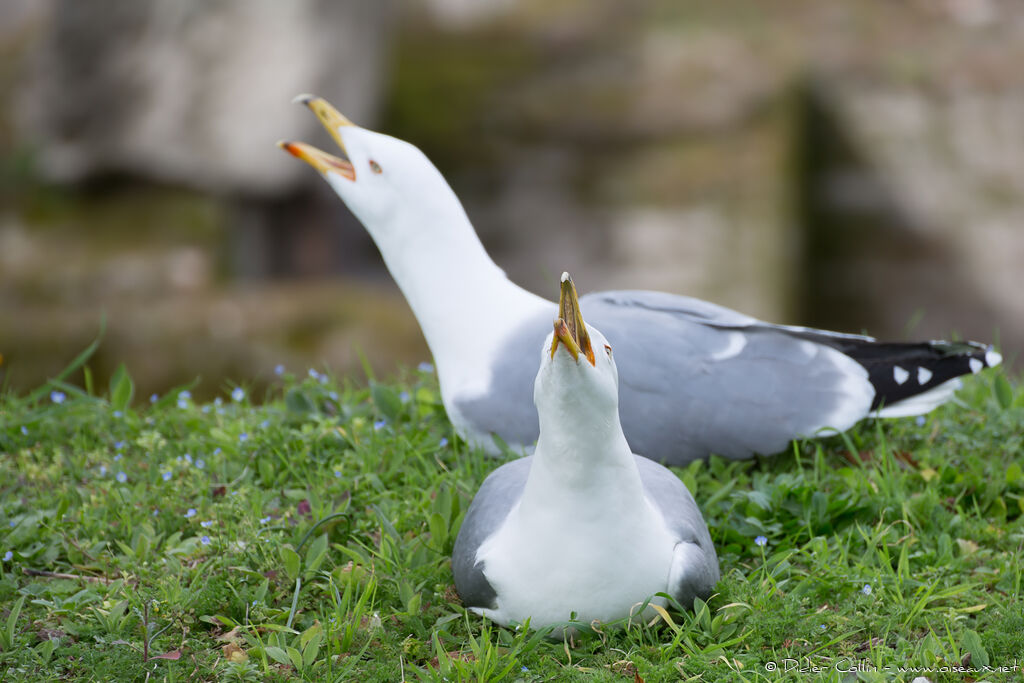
901 371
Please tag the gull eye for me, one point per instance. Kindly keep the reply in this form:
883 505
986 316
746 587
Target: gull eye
608 350
375 167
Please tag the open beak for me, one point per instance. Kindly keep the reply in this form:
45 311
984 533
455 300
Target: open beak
569 326
333 121
320 160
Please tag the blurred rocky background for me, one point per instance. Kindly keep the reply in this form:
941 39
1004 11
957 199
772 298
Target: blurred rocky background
854 165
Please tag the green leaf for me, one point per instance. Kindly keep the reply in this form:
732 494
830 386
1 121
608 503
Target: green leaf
78 362
1014 474
316 553
121 388
10 634
278 655
438 529
291 561
296 658
386 400
312 648
972 643
1003 391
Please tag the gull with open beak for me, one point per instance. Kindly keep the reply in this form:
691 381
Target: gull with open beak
696 378
583 526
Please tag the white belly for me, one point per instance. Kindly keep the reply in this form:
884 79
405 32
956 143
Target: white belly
600 567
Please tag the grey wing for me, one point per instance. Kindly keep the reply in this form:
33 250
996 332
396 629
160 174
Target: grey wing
695 571
506 408
499 492
707 313
695 378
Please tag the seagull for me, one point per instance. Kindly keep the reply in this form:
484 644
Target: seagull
583 526
700 379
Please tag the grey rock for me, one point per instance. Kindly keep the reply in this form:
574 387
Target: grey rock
194 92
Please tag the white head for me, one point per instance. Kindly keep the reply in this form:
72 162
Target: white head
389 184
577 376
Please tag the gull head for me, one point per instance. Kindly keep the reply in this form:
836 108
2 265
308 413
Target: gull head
577 371
381 179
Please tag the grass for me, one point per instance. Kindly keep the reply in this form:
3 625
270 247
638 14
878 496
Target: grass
307 537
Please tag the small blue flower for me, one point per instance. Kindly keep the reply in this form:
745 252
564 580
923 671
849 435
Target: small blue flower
153 398
8 556
264 424
24 430
243 437
313 374
920 420
404 397
13 523
103 470
205 540
122 477
206 409
425 367
443 442
822 627
119 445
200 463
167 475
118 457
333 395
58 397
238 394
264 520
118 414
188 458
524 668
156 512
191 512
761 541
323 378
379 424
278 369
206 524
182 403
218 401
216 451
185 394
866 590
337 473
219 411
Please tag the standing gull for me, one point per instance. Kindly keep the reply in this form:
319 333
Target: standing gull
583 525
701 379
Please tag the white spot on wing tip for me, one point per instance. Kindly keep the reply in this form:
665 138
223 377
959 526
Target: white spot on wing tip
923 375
976 365
303 98
993 357
899 374
565 276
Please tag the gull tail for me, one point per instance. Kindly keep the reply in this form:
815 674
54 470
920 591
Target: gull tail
913 379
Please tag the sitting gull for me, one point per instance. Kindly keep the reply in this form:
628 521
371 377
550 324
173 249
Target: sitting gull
701 379
583 525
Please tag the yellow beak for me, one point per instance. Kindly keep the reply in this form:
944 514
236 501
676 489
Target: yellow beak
330 118
333 121
318 159
569 326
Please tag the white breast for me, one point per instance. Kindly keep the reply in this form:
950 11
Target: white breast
548 564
